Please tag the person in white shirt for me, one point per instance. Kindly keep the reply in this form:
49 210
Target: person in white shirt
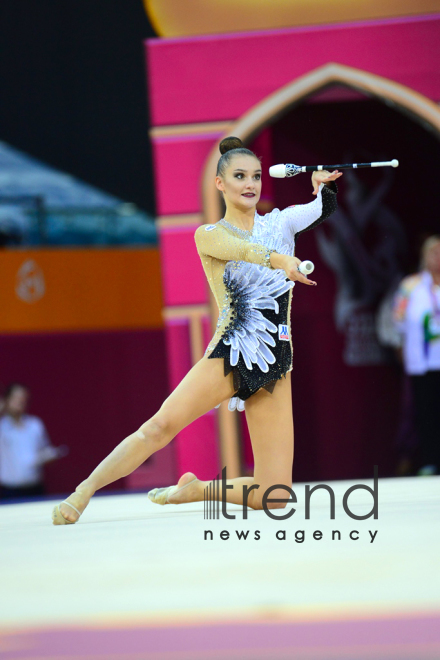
24 446
417 317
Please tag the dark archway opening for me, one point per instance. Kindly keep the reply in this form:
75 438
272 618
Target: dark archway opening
346 383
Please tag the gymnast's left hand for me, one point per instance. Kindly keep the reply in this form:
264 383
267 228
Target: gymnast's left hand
323 176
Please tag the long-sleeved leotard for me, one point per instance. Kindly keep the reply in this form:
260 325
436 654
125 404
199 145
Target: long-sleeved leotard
253 298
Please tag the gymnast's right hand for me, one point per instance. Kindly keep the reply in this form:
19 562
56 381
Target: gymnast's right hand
290 266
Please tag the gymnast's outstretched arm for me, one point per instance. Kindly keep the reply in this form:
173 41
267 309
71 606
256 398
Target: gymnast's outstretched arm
214 241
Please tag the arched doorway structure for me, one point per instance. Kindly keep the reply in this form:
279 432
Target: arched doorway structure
264 113
197 95
400 97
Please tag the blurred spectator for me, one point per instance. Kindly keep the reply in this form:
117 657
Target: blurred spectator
417 316
24 446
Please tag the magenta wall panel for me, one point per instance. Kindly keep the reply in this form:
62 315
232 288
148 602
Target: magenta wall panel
183 279
90 389
196 445
213 78
197 448
178 165
178 350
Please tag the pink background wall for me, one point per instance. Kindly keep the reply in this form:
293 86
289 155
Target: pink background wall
219 78
173 158
177 247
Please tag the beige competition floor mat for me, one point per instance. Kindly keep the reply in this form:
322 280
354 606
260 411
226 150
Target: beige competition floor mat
136 580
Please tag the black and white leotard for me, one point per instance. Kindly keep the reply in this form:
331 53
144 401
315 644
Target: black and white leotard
253 333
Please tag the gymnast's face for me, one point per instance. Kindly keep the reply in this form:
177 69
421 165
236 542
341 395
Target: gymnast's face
241 183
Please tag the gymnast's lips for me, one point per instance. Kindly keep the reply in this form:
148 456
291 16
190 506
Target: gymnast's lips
248 195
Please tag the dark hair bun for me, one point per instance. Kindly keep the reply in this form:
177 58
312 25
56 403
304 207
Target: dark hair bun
230 143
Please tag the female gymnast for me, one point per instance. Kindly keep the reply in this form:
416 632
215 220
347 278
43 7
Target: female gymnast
248 261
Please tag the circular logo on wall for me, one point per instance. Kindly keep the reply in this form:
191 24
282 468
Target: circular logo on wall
30 285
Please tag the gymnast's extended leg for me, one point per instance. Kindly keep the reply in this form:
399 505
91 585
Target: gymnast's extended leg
203 387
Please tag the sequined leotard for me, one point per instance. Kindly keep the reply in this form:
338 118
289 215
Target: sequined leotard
253 329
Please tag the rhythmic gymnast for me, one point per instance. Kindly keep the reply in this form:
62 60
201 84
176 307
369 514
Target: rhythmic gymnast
249 265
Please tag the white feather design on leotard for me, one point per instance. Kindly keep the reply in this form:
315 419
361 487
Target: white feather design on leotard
253 288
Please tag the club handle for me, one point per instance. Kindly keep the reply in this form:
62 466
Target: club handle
351 166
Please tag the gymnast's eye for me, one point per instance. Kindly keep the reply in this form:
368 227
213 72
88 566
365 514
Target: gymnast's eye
258 177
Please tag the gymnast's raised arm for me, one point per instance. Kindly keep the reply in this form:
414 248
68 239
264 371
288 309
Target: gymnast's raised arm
302 217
